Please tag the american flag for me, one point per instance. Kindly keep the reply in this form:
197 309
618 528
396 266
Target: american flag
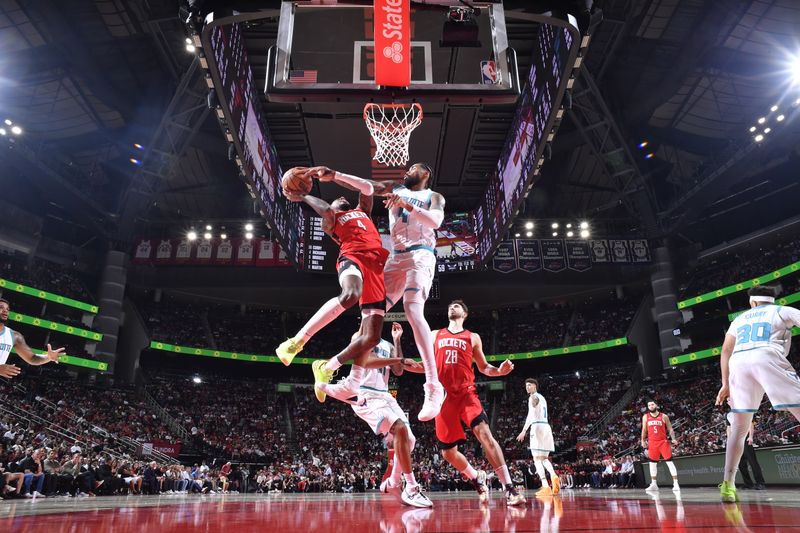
303 76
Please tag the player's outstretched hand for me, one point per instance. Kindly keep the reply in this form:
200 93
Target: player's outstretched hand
397 331
521 437
395 200
722 395
53 355
321 173
410 364
293 196
505 367
9 371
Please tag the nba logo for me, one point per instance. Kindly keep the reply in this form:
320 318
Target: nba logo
488 73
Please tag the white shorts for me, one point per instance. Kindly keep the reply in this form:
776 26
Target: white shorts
409 272
541 439
752 373
380 412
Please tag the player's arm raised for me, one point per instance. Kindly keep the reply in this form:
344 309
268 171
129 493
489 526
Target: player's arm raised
25 352
483 365
644 429
724 362
321 207
354 183
670 430
408 364
431 217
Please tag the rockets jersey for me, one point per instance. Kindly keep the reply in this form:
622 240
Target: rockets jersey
656 428
6 343
377 379
454 360
354 231
765 328
404 232
537 414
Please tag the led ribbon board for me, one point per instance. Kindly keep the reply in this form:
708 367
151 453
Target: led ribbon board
44 295
55 326
742 285
786 300
254 358
77 361
705 354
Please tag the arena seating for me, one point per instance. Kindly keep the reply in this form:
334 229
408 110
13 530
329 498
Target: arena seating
45 275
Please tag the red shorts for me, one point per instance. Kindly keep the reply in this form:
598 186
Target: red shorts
659 449
458 408
370 263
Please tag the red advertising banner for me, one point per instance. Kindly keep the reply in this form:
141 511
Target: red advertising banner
392 43
173 449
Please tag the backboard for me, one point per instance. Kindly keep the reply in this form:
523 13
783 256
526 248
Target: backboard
327 53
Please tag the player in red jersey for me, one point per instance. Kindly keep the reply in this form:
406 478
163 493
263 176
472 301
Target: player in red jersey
655 426
360 266
456 350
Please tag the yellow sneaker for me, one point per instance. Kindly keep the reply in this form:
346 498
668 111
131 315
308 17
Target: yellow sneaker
556 484
544 491
321 375
288 349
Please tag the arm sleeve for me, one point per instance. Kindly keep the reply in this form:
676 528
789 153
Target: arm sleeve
431 218
363 186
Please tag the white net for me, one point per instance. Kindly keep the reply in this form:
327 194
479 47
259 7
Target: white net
391 126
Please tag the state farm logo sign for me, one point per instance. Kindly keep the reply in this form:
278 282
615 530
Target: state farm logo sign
392 39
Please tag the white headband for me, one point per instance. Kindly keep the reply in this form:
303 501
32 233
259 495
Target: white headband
766 299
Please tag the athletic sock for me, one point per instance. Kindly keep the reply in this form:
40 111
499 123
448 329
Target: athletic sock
653 472
356 374
503 476
411 481
333 364
326 314
470 472
540 472
672 471
549 467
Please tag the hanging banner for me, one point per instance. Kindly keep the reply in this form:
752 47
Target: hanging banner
600 251
281 259
204 249
143 251
224 252
579 255
529 256
183 251
640 250
553 257
619 251
245 252
505 257
392 33
164 251
265 253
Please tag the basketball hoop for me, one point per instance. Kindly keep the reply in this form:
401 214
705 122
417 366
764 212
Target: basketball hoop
391 126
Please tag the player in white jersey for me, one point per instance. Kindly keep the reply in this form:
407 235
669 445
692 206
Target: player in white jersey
541 439
380 410
10 339
754 362
415 213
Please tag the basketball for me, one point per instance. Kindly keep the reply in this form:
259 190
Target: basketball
294 182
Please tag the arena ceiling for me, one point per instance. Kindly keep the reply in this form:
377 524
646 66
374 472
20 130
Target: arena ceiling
88 79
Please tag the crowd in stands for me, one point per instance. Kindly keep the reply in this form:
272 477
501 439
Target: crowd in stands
42 274
726 269
602 322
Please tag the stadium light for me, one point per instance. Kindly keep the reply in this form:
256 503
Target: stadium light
3 131
8 122
223 236
197 380
555 234
577 374
138 146
529 234
554 225
643 144
649 156
759 138
135 161
248 235
584 225
584 234
516 235
767 130
190 48
208 227
762 120
16 130
529 225
248 227
192 235
779 118
569 225
753 128
796 69
570 234
773 108
207 235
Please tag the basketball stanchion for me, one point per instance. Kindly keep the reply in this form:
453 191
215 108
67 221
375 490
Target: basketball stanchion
390 126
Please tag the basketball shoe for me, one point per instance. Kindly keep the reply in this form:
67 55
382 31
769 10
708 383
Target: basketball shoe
289 348
414 497
434 398
321 375
544 491
556 481
480 487
727 492
514 497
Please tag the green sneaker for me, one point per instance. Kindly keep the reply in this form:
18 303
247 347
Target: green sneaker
728 492
321 375
288 349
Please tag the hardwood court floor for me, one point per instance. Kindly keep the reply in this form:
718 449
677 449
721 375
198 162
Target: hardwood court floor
580 510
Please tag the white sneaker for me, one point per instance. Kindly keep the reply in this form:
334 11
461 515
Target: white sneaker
37 494
676 488
652 488
481 488
389 487
434 398
415 497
